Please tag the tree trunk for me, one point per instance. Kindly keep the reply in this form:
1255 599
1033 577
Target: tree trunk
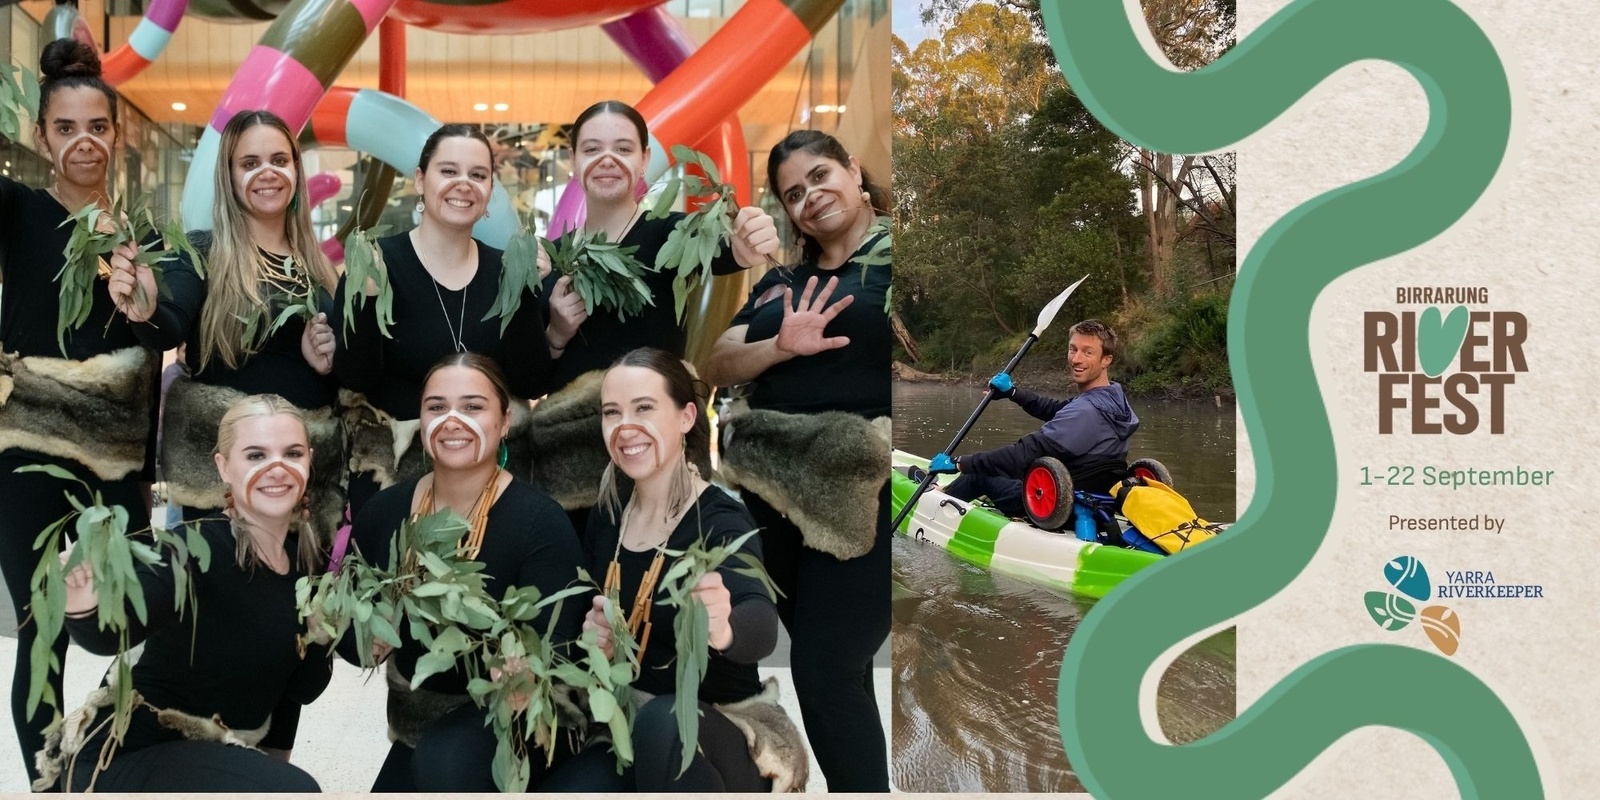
904 337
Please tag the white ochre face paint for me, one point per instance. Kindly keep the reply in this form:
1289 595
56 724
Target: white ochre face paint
301 476
436 427
614 432
478 189
250 177
72 144
613 158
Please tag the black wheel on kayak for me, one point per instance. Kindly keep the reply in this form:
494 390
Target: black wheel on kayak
1151 470
1047 494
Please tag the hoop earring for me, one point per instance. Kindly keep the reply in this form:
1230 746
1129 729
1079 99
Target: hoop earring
682 484
485 212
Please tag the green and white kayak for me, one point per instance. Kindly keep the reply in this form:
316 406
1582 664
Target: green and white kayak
984 537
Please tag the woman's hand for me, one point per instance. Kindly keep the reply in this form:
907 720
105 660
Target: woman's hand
543 260
126 278
596 621
316 344
566 314
81 597
714 596
755 236
801 332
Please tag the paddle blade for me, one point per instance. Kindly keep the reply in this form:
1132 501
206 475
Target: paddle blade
1047 315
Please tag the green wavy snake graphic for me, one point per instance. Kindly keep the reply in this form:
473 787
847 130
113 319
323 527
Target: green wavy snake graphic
1341 691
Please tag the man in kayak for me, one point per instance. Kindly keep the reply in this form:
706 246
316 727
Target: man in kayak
1089 432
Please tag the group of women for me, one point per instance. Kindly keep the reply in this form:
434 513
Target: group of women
259 441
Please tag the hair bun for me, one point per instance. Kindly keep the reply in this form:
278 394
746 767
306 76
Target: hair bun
69 58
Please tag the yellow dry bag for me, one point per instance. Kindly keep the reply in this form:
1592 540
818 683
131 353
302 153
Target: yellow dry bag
1161 514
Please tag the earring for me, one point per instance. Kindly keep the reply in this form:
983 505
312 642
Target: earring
505 454
866 197
420 206
486 212
305 507
227 497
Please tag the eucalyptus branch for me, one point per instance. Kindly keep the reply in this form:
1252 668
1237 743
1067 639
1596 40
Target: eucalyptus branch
696 240
363 262
113 554
95 233
692 627
605 273
519 270
19 101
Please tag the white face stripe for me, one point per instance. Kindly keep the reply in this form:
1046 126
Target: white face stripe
255 473
648 428
477 188
468 422
622 164
250 177
72 144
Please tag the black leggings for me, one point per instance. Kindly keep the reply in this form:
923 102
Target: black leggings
723 763
185 766
454 754
28 504
837 614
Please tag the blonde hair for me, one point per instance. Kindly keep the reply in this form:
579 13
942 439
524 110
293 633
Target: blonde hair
266 405
233 277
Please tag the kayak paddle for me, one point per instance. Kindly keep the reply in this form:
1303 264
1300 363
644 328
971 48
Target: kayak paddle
1046 316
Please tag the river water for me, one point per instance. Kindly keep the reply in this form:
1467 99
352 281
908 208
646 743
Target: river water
977 656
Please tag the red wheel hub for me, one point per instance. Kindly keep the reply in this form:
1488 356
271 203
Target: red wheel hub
1040 493
1146 474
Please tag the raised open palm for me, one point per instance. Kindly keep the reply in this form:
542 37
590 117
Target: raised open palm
801 333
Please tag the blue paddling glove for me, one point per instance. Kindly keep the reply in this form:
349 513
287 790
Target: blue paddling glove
942 464
1000 385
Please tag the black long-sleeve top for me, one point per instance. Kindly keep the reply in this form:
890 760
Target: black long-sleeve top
853 378
32 240
528 541
232 653
31 243
390 371
275 367
730 674
603 337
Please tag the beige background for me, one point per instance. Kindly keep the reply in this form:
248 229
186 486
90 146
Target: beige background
1531 242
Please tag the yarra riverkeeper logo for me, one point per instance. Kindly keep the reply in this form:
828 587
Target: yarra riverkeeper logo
1413 351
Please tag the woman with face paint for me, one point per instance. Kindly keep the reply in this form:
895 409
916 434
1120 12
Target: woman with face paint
517 532
802 352
654 429
217 672
260 256
610 152
444 284
91 409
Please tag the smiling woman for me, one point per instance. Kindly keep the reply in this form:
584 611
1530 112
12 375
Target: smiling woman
444 284
519 535
87 404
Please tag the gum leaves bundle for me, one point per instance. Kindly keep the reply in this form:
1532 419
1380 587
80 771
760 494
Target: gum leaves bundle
692 627
605 273
519 270
363 263
19 101
696 240
114 554
95 233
